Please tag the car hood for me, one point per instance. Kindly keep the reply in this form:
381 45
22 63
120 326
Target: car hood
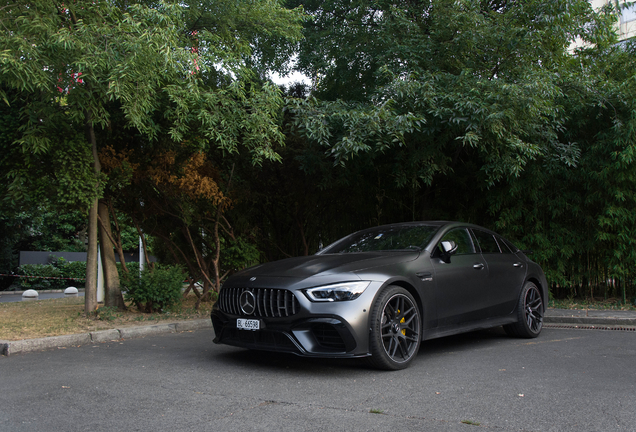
324 265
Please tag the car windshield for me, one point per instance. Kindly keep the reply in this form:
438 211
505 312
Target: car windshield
414 237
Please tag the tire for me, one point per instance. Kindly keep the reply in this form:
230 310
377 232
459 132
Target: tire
530 312
394 337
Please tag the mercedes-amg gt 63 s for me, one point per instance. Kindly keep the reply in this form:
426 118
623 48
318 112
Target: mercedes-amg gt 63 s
379 292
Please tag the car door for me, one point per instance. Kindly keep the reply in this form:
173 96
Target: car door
506 274
461 281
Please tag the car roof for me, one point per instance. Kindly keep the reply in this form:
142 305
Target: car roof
438 223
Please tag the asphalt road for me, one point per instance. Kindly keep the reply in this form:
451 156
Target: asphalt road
10 297
566 380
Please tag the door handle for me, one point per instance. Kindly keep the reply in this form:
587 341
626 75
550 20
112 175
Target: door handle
517 264
478 266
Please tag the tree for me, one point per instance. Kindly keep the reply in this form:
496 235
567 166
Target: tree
579 217
441 80
477 111
80 63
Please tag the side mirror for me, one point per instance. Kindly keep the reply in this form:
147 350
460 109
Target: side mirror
445 250
449 247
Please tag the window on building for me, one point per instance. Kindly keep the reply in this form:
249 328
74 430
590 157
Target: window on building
629 14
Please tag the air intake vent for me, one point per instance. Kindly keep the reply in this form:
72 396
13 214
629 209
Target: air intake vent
268 302
328 337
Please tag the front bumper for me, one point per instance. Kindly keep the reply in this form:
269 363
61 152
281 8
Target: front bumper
316 329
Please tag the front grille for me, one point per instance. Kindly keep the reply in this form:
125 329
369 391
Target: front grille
328 337
270 302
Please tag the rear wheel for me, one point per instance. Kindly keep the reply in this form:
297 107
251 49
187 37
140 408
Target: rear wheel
530 311
394 338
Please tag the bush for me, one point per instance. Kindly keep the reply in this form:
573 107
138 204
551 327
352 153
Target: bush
133 267
59 268
36 271
71 269
156 289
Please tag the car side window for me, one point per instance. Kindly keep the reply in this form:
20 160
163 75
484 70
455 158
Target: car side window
487 242
463 240
513 248
503 245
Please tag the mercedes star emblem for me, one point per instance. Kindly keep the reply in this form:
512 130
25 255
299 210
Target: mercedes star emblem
247 302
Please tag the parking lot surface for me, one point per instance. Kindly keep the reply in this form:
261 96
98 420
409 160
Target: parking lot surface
566 380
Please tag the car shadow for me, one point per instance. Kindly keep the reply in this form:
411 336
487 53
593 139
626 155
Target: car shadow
254 359
470 340
266 360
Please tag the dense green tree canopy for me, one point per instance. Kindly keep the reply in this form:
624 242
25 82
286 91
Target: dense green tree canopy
478 111
180 75
443 79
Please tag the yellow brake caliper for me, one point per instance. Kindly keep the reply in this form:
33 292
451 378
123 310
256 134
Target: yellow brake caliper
402 322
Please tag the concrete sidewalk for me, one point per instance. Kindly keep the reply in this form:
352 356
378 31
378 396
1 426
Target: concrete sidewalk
39 344
591 317
601 319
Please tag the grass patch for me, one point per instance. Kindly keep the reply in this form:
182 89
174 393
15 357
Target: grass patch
41 318
608 304
55 317
376 411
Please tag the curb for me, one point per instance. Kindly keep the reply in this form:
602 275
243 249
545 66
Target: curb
590 321
30 345
8 348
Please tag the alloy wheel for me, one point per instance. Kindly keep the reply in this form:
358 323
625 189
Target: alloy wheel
400 328
533 306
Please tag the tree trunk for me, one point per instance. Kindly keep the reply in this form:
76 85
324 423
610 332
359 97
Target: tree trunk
118 246
90 296
113 296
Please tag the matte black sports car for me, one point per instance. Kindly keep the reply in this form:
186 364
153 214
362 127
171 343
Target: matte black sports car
378 293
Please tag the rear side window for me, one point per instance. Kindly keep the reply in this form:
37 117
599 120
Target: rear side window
512 247
486 241
504 245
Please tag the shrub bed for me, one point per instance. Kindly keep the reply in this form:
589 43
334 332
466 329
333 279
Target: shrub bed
70 273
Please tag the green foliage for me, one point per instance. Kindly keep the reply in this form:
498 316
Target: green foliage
166 71
475 111
58 268
579 218
445 80
36 271
444 109
162 80
71 269
129 237
107 313
238 254
45 229
133 267
155 289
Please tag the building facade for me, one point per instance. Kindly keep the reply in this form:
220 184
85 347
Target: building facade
626 25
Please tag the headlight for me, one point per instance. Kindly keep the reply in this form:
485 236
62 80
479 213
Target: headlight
337 292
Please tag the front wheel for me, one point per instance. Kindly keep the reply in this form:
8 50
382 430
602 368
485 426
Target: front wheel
394 338
529 313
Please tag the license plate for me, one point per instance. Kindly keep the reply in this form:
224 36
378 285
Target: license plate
248 324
